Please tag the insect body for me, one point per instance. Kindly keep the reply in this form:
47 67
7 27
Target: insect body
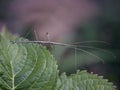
74 46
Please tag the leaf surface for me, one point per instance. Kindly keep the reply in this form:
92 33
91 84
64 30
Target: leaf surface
25 66
83 80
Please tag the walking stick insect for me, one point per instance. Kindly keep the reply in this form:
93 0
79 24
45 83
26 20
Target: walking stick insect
75 46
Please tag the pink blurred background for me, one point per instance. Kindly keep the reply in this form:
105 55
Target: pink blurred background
57 17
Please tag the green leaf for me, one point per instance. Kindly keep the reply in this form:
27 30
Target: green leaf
83 80
25 66
30 66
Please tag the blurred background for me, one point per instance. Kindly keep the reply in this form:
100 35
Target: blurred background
86 23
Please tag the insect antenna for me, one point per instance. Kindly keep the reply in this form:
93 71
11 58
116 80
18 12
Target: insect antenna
94 41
